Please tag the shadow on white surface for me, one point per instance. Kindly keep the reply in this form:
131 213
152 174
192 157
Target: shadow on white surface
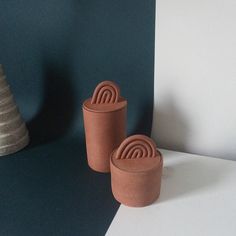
189 176
170 129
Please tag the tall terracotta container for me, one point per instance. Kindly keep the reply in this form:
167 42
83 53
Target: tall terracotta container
105 124
136 168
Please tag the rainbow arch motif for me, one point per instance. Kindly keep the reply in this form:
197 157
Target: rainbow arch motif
107 92
136 146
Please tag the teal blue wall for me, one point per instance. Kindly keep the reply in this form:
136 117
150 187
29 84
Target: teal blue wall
54 53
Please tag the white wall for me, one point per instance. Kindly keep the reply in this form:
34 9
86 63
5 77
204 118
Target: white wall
195 76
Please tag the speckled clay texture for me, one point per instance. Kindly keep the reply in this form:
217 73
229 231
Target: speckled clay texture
136 168
104 123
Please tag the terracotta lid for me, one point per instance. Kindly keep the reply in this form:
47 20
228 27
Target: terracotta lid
136 168
106 98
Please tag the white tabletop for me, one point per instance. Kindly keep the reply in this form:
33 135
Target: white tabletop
198 198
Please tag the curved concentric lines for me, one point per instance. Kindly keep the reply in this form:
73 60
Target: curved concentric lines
136 146
106 92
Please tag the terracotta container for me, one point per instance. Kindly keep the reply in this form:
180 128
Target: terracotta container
136 168
13 132
104 123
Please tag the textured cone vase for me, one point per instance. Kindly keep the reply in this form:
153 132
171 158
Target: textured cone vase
136 168
105 124
13 132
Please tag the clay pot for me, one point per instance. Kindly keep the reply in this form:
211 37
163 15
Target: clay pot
13 132
105 124
136 168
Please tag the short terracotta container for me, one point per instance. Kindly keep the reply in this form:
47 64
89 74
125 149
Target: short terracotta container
104 123
136 169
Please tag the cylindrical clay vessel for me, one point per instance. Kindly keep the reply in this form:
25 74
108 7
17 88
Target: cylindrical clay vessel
105 124
136 169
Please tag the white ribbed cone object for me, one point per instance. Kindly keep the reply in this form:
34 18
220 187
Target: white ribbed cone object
13 132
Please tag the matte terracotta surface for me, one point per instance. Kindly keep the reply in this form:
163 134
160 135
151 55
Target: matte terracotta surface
136 168
104 123
13 132
106 92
